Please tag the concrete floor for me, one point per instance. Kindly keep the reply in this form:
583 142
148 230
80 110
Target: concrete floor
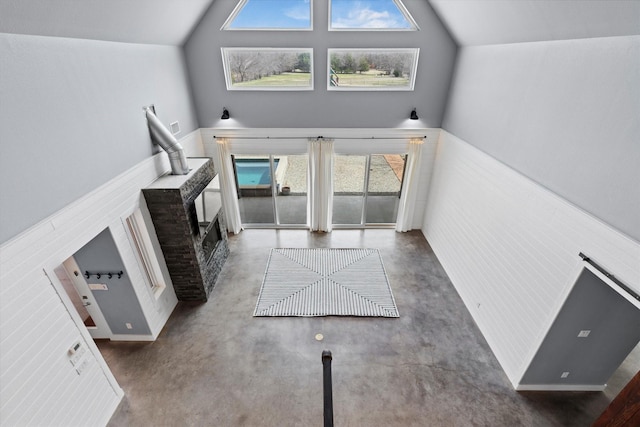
216 365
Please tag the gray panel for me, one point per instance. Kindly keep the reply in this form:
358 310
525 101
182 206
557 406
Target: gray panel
564 114
71 118
615 330
320 108
119 304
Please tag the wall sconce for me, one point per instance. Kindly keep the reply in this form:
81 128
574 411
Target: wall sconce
225 114
414 115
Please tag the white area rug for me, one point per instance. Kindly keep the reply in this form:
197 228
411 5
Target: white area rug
325 282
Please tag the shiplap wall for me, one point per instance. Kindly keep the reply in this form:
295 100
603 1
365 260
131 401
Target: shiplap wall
347 141
38 384
510 248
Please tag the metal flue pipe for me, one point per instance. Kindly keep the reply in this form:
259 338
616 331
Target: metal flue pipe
161 136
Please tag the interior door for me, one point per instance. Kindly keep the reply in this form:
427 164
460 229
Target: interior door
96 323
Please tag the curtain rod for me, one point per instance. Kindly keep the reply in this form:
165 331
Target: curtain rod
318 137
610 276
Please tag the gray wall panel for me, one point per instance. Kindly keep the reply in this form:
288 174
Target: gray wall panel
118 303
564 113
71 118
320 108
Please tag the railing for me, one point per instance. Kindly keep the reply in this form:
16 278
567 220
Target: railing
327 388
333 77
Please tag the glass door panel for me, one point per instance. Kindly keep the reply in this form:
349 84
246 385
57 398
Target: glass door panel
350 174
291 182
383 190
255 192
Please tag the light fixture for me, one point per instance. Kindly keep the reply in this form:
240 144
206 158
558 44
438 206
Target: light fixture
414 115
225 114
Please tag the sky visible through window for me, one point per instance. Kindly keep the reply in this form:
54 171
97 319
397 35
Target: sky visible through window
275 14
368 14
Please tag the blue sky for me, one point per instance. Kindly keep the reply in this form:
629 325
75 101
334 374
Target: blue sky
296 14
274 14
367 14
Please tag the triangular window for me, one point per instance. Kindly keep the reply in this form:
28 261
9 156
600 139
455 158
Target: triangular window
270 15
370 15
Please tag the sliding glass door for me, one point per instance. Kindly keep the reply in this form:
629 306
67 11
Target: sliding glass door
291 197
272 189
367 189
383 189
349 177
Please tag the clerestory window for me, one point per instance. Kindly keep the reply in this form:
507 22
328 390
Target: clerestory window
270 15
355 69
370 15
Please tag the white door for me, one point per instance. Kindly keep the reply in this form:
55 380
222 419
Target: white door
95 322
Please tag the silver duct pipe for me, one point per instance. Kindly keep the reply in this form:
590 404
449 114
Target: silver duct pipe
161 136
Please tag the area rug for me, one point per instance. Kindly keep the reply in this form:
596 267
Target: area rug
325 282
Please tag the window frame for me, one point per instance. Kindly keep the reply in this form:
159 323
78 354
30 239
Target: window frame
230 84
401 7
412 81
242 3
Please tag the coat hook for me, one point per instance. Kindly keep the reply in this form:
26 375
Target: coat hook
86 274
98 275
110 275
120 273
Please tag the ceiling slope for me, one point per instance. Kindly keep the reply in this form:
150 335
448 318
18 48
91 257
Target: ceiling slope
483 22
164 22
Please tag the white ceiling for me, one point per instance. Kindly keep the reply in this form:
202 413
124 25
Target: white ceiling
471 22
166 22
481 22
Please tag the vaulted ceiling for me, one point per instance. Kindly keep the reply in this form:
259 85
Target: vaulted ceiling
170 22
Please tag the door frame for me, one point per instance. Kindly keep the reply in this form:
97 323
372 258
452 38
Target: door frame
101 330
58 287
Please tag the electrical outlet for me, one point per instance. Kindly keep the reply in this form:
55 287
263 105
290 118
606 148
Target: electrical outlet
584 333
564 375
128 325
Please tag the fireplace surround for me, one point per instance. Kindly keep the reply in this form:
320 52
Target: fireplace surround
194 254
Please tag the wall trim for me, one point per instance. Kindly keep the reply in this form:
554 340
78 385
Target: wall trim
553 387
510 247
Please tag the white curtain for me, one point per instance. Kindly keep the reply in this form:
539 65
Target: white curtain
409 186
320 185
228 189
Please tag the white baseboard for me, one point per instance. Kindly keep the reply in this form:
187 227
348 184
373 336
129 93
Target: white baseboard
556 387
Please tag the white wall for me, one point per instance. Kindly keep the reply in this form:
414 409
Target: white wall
346 141
564 113
71 118
38 384
510 247
320 108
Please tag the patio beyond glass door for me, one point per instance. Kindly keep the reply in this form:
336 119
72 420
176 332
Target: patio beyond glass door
349 177
367 189
272 189
291 183
383 191
255 192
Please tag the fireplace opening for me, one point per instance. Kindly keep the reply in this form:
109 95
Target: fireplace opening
211 238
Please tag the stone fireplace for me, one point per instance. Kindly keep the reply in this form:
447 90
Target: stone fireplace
194 247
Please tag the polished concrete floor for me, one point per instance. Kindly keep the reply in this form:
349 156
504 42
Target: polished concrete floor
216 365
